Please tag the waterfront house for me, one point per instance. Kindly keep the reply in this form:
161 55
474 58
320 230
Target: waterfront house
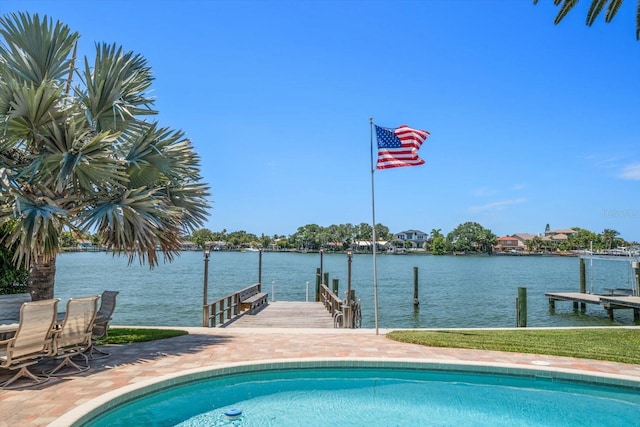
523 238
416 237
560 234
366 246
508 244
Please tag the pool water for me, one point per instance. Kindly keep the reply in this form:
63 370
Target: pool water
378 397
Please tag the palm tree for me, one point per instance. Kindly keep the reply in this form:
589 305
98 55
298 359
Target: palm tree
596 7
81 158
609 236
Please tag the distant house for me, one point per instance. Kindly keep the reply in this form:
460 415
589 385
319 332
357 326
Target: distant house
560 234
366 246
523 238
416 237
507 244
187 245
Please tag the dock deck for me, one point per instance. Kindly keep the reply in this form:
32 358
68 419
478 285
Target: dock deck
608 302
285 314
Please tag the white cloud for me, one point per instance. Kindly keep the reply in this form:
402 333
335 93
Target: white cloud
631 171
484 191
499 205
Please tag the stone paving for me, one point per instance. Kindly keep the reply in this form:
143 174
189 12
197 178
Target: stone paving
203 347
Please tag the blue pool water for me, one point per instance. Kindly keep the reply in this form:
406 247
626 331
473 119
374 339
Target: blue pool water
378 397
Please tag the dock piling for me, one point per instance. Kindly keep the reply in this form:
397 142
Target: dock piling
521 308
318 280
416 301
583 285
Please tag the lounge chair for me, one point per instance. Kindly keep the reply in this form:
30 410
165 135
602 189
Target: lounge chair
32 340
74 337
101 324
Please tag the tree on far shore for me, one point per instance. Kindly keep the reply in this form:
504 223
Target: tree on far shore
76 154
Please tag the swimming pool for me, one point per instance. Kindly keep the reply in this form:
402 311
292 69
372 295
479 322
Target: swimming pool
373 393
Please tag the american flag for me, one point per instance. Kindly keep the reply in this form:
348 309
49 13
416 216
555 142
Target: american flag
399 147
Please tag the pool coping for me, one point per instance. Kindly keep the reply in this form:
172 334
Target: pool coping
94 407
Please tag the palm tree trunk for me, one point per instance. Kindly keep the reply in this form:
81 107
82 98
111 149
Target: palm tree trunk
42 277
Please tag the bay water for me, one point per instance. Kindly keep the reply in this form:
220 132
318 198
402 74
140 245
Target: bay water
454 291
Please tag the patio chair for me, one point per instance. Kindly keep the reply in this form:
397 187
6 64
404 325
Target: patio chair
74 337
101 324
32 340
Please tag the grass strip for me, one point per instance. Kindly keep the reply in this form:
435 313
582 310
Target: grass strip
612 344
131 335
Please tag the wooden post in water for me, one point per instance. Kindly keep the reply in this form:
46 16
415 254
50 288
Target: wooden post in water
205 286
416 301
521 313
583 283
260 271
325 279
583 276
318 280
636 268
347 309
334 286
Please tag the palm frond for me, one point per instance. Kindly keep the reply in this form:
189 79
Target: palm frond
191 198
37 233
137 223
116 87
638 21
76 159
564 9
159 155
32 107
594 10
612 10
35 49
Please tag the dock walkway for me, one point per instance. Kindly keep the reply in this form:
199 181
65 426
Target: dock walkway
608 302
285 314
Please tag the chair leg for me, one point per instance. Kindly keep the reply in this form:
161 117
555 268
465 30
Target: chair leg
91 351
66 361
24 372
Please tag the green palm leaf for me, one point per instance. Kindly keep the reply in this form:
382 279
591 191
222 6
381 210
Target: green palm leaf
77 159
116 87
137 223
38 229
31 108
35 49
564 9
594 10
613 9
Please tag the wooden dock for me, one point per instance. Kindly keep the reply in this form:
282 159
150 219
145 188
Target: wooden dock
608 302
285 314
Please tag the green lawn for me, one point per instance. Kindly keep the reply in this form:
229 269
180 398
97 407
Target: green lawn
131 335
613 344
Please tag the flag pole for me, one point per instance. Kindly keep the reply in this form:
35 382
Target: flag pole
373 232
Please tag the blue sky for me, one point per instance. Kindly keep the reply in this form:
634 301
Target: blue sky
531 123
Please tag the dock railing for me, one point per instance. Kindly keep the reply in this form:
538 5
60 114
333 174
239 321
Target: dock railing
222 310
333 304
226 308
